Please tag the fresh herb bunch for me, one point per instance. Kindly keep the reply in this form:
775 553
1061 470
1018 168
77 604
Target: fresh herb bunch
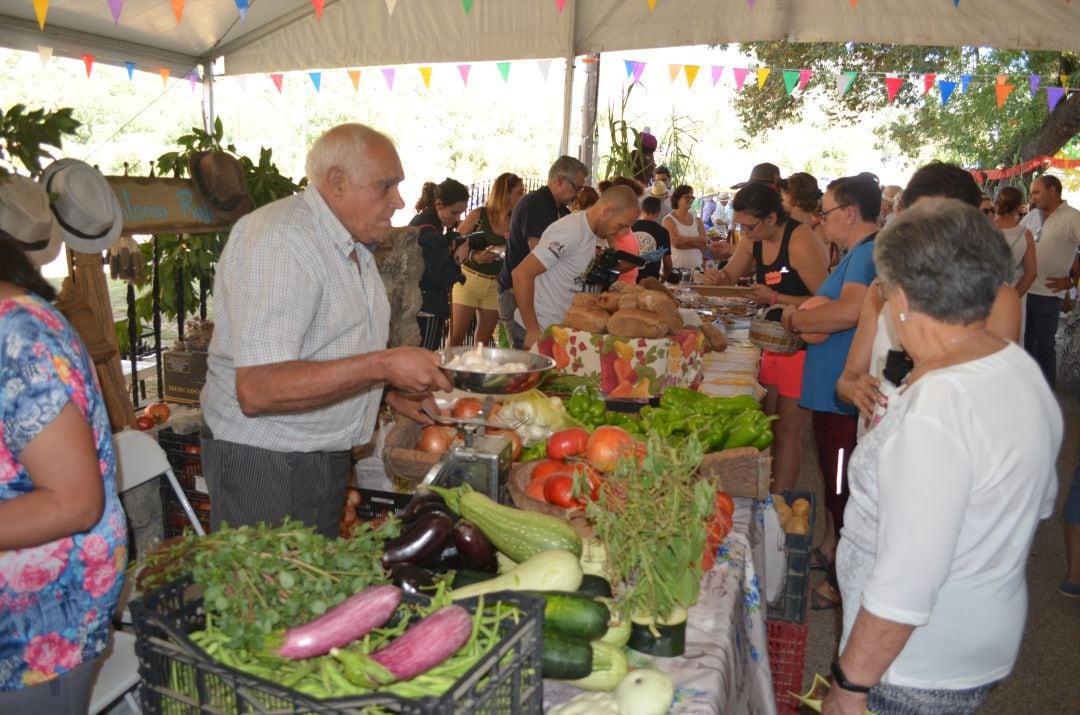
652 520
257 580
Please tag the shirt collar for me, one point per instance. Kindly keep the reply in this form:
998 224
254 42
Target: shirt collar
330 225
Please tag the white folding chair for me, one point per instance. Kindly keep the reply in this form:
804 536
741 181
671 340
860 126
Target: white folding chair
138 460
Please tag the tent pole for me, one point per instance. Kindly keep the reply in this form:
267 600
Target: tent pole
208 97
588 114
568 81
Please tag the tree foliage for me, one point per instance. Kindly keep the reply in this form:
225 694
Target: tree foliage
25 135
969 129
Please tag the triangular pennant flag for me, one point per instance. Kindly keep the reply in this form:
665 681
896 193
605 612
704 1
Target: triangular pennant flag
45 53
316 79
115 6
164 72
192 78
560 4
674 71
388 75
928 82
956 3
425 72
1002 93
740 77
629 64
717 72
1033 80
844 80
652 5
1001 79
762 75
791 78
88 60
1054 95
467 4
750 3
965 80
390 5
242 7
804 77
130 67
354 75
178 9
1064 78
854 3
946 91
41 9
691 74
639 67
276 78
545 68
319 5
463 70
504 70
892 85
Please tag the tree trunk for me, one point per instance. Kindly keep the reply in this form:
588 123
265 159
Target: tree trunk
1061 126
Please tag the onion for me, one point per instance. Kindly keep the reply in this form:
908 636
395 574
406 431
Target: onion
434 439
466 408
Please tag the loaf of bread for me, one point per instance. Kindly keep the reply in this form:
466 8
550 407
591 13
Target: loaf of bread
673 320
591 320
584 300
657 302
608 301
628 299
632 323
715 339
653 283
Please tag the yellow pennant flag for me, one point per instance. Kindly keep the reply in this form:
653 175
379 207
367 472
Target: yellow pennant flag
674 71
762 75
691 74
354 75
1064 80
425 72
41 9
164 71
652 5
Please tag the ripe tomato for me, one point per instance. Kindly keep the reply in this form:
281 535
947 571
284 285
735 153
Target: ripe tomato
719 527
158 411
535 489
546 468
144 423
569 442
607 445
591 475
558 490
466 408
724 503
192 449
515 441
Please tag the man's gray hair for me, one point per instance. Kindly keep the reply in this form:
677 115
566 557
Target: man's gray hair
566 166
345 147
949 258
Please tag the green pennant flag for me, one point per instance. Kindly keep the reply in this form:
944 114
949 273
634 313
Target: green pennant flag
467 4
504 70
791 78
844 80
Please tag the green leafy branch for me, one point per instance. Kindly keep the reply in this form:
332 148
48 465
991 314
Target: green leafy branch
25 136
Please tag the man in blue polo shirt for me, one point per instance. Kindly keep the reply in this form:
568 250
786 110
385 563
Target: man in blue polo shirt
531 216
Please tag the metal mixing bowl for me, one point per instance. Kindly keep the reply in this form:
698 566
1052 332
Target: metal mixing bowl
497 383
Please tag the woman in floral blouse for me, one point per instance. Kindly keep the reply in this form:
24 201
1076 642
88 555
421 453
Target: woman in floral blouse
63 538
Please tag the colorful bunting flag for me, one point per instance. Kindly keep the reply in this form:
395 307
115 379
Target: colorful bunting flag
115 6
425 73
545 68
319 6
717 72
639 67
892 85
276 77
652 5
178 9
791 78
45 53
965 80
463 70
390 5
316 79
242 7
354 75
1054 95
88 60
504 70
691 74
467 4
928 82
762 75
1002 92
854 3
946 91
164 72
844 80
193 79
629 64
41 9
560 4
804 77
674 70
388 75
1033 80
1064 79
740 77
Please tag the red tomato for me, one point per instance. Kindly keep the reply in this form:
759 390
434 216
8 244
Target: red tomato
535 489
607 445
515 441
466 408
569 442
724 503
546 468
559 489
719 527
591 475
192 449
142 422
158 411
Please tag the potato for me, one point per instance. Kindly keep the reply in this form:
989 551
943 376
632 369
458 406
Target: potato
778 500
800 507
797 525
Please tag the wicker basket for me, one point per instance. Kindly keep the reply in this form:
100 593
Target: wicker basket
770 335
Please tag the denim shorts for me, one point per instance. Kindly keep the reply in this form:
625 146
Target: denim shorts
886 699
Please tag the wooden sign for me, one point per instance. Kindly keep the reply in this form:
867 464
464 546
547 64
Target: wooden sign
157 205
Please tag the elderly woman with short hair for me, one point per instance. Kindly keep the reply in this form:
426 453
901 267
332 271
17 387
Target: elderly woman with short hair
947 490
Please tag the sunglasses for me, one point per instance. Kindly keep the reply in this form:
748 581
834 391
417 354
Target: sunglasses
825 214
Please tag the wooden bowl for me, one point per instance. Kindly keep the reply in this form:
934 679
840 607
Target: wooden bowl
520 476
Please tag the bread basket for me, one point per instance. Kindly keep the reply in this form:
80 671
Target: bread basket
770 335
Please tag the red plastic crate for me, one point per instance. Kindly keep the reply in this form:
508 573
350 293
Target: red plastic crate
787 653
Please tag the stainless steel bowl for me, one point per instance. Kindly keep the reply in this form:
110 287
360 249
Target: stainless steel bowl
497 383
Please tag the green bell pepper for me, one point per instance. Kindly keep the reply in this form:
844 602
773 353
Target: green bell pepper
682 398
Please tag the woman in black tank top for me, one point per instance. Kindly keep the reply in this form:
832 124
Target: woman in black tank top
789 263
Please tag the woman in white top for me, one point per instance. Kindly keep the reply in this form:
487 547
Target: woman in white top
1021 242
947 490
687 231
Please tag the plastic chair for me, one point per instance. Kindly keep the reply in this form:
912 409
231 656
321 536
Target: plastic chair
138 460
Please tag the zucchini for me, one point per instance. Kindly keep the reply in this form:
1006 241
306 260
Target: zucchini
573 614
618 633
517 533
554 570
595 586
609 667
565 657
662 638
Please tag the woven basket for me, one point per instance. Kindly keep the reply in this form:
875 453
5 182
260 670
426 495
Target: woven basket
770 335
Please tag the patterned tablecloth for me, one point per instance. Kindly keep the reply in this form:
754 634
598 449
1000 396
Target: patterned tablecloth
726 665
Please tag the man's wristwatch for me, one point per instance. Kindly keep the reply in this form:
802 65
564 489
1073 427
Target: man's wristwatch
843 683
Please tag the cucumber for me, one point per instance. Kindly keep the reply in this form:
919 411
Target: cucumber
663 638
554 570
573 614
565 657
595 586
517 533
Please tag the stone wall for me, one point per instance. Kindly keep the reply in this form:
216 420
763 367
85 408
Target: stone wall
401 263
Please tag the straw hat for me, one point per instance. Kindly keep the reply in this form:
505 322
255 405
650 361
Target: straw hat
25 215
85 207
658 189
220 179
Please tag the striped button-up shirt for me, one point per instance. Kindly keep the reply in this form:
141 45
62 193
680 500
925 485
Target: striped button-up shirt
287 288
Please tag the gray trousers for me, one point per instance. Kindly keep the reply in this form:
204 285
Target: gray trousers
507 306
68 693
249 485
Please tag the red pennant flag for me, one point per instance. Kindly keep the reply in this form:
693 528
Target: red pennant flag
318 5
88 60
928 82
804 77
277 77
893 84
560 4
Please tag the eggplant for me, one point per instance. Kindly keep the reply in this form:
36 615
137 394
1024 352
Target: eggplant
413 579
424 504
477 552
448 559
424 539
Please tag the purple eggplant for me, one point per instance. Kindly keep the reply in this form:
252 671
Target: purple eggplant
413 579
477 552
422 541
423 504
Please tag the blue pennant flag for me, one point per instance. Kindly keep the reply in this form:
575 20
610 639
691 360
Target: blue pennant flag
131 69
965 80
946 90
316 79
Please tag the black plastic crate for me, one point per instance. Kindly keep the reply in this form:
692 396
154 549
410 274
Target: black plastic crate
375 504
791 606
175 521
184 452
179 678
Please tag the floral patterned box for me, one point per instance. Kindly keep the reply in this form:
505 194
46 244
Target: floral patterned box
635 368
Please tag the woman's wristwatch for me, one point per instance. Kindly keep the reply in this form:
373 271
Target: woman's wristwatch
843 683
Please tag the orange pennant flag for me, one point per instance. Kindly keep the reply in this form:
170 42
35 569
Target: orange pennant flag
178 9
652 5
41 9
164 71
674 70
88 60
1003 92
762 75
354 75
425 72
691 74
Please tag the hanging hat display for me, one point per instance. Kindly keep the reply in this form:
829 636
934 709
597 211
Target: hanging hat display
25 215
85 206
220 179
